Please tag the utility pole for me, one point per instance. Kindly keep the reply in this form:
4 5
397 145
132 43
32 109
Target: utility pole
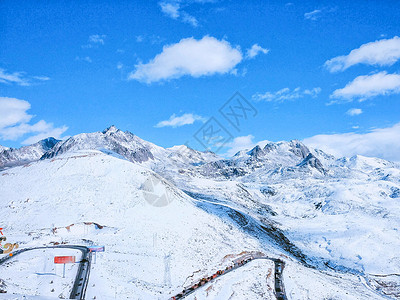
154 240
167 270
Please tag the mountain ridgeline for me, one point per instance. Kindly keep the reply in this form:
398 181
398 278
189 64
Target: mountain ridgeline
284 158
10 157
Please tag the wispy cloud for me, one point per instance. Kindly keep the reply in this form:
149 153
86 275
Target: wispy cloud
354 112
319 13
255 50
84 58
313 15
286 94
95 40
178 121
20 78
189 19
192 57
367 86
15 122
173 9
41 78
384 52
381 142
242 143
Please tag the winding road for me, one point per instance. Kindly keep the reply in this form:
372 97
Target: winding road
82 276
278 286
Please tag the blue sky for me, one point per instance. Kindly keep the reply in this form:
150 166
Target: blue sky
325 72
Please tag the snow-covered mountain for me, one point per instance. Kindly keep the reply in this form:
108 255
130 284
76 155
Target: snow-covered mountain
12 157
2 148
334 221
285 157
124 143
129 146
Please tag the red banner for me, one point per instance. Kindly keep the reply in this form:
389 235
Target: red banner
64 259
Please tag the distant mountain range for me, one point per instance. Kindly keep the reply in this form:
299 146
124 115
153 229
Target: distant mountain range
285 160
135 149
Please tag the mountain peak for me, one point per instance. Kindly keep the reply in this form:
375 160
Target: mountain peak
2 148
313 162
256 151
125 144
298 148
111 129
48 143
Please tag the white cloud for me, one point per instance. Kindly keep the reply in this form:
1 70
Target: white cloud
20 78
86 58
255 50
381 53
382 142
172 9
13 111
354 111
156 39
186 18
313 92
286 94
242 143
41 78
15 122
97 39
94 41
44 130
16 77
192 57
367 86
175 121
313 15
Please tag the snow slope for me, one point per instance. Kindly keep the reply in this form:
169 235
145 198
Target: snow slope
91 186
338 215
348 216
341 213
